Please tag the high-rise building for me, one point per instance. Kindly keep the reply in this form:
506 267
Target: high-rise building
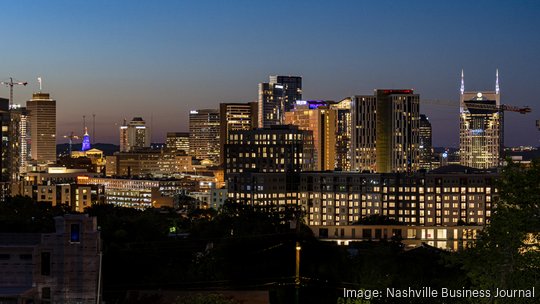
42 117
285 149
316 116
425 146
385 133
5 147
270 104
233 117
276 97
343 134
292 89
273 157
18 137
134 135
178 141
204 134
481 130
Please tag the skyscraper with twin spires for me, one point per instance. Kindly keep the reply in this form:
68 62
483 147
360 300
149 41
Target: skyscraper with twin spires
481 128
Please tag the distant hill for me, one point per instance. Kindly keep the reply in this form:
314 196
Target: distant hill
108 149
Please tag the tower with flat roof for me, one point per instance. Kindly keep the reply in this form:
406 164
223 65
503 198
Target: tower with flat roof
42 118
385 133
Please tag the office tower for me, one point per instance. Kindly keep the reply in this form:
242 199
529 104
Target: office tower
270 105
178 141
204 134
316 116
134 135
481 129
292 89
42 118
385 134
276 97
233 117
425 147
124 142
343 134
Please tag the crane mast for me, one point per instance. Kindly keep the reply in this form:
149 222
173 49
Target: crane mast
10 84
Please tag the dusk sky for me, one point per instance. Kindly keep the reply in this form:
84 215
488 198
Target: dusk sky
160 59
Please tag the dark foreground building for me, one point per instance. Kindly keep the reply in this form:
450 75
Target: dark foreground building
58 267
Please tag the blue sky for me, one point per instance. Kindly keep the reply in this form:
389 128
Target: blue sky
159 59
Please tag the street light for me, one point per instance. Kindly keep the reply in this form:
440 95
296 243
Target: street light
297 273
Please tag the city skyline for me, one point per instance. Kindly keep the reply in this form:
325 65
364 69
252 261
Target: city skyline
121 60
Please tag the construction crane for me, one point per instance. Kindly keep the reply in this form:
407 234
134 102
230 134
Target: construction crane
71 137
498 108
10 84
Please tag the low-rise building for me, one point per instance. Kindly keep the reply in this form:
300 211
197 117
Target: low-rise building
213 198
137 193
149 162
78 197
58 267
444 237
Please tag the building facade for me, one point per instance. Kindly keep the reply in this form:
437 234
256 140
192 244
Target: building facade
276 149
137 193
234 117
425 144
292 89
59 267
321 120
149 162
481 129
204 134
134 135
443 237
78 197
343 134
42 119
270 105
385 132
262 166
213 198
178 141
5 146
276 97
437 198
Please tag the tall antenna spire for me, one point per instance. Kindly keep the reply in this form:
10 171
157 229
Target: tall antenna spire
497 81
40 84
94 127
462 89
